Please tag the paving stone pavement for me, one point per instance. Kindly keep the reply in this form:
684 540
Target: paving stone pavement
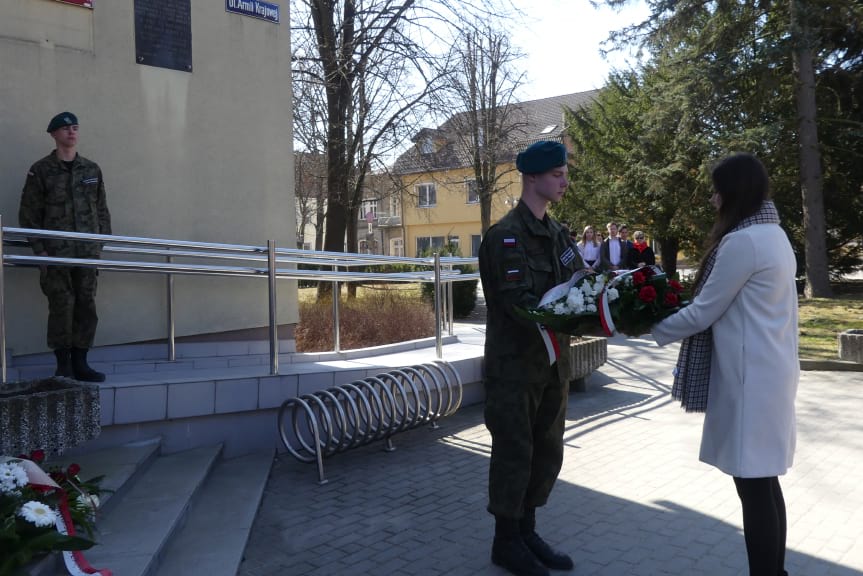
632 498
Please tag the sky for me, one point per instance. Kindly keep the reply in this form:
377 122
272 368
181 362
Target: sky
562 45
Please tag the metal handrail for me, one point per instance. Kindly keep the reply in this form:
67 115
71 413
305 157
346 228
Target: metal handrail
268 257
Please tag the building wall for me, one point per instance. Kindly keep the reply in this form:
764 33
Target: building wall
204 156
452 215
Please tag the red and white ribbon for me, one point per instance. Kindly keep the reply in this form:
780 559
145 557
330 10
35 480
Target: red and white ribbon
552 347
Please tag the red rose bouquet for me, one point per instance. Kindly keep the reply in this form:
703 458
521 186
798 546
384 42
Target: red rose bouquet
644 297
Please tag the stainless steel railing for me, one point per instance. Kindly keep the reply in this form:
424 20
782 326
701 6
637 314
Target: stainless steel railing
247 261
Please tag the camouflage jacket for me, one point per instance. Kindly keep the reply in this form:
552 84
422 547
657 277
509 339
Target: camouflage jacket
520 259
59 198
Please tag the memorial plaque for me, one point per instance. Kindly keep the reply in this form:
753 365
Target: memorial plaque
163 34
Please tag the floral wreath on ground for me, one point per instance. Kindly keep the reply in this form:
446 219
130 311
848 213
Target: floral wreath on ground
39 512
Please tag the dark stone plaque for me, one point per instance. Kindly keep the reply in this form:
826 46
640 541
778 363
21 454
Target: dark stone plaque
163 34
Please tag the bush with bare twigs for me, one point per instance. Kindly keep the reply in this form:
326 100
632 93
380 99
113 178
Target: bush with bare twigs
378 317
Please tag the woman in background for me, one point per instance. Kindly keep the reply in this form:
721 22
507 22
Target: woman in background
640 253
738 360
588 247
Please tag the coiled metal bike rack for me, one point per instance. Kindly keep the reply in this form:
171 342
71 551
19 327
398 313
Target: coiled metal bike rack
329 421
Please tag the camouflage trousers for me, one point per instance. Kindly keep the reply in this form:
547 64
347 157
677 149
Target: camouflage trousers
72 315
526 422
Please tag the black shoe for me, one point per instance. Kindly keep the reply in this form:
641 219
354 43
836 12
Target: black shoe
511 554
64 362
545 553
82 370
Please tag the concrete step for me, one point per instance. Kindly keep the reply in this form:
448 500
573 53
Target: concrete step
213 540
132 537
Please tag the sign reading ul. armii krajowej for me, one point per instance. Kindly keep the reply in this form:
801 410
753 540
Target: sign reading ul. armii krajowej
254 8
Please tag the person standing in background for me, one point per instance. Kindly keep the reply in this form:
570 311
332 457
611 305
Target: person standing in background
65 191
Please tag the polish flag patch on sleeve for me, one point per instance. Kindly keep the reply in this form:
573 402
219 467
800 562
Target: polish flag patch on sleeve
509 241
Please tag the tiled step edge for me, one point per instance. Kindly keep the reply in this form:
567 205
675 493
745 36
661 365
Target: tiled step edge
217 528
132 538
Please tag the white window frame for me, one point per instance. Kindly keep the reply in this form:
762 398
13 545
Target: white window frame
441 242
426 195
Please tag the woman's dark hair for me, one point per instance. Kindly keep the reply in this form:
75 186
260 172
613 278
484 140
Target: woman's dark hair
742 184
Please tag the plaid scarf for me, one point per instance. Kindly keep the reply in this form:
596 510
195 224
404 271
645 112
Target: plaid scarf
692 373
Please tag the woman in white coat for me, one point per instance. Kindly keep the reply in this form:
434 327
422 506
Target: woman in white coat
738 362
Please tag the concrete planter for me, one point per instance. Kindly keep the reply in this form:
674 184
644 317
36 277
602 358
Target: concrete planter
587 353
52 415
851 346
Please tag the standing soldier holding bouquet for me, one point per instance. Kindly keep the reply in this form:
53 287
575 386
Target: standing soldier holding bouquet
522 257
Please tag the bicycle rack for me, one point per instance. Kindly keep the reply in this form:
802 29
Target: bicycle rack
329 421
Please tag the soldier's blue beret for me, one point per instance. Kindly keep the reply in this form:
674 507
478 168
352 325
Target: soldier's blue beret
62 119
541 157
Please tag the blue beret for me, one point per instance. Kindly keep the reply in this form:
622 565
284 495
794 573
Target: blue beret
541 157
62 119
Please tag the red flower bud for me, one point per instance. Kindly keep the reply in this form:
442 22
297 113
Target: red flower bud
671 299
37 456
638 278
647 294
73 469
675 285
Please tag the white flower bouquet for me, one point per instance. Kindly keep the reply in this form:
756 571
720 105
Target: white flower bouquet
572 307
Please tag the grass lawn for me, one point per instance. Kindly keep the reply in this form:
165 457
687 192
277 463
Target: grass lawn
822 319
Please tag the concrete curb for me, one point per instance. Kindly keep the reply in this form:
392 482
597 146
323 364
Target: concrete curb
830 365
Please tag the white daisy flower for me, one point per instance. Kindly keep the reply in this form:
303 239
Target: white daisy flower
613 294
590 308
12 476
38 513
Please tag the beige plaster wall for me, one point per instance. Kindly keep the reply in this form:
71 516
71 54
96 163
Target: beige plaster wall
204 156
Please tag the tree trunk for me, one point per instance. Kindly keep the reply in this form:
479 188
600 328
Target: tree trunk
668 248
811 183
485 212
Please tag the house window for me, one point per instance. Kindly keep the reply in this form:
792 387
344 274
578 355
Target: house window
426 145
427 195
369 210
395 206
548 128
429 244
397 247
452 242
472 192
475 241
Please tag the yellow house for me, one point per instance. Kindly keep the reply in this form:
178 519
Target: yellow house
440 204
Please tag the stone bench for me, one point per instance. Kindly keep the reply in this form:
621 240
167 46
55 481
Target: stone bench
851 346
587 353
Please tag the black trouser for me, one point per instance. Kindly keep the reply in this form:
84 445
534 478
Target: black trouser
72 317
764 524
526 421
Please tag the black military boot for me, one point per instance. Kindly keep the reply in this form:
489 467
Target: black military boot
510 553
81 369
545 553
64 362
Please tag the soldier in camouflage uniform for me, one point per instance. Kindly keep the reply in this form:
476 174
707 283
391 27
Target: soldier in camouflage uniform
520 258
65 191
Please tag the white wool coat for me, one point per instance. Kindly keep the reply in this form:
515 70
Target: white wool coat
750 301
